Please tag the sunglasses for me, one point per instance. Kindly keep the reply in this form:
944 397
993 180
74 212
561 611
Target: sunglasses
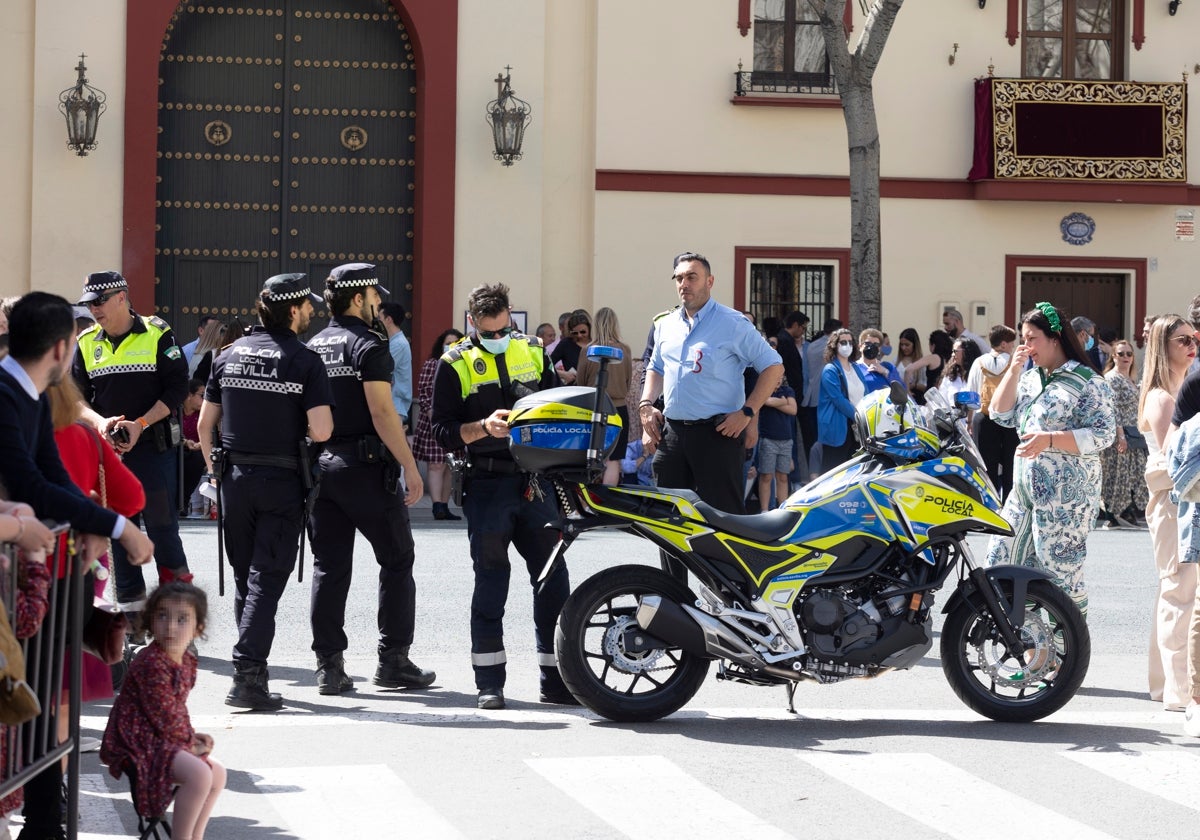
103 299
583 331
500 333
1185 340
1124 354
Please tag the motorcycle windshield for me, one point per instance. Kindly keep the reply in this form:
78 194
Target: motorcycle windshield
936 401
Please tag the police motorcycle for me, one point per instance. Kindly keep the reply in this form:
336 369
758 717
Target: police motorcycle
839 583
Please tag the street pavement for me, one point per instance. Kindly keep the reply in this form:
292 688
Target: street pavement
897 754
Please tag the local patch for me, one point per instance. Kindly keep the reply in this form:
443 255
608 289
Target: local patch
172 352
97 353
480 366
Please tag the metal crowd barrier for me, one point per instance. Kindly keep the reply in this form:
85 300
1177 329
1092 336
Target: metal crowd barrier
33 746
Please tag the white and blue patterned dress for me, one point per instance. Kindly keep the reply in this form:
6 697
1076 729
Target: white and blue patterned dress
1056 494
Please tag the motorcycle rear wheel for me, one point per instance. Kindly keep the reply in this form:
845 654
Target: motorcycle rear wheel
1003 688
614 682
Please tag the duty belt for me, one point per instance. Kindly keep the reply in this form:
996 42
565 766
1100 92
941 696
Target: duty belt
494 465
715 420
286 462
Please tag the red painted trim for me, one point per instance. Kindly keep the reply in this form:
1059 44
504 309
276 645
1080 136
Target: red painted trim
789 101
742 253
433 27
735 183
744 17
1013 32
1137 267
1139 23
848 18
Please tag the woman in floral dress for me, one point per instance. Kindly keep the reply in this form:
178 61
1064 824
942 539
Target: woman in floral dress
425 447
1124 491
1063 412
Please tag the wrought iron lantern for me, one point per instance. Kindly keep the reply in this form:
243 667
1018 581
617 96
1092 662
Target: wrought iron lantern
508 115
82 106
1173 7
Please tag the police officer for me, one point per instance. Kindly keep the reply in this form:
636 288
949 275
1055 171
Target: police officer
361 490
133 377
476 383
266 391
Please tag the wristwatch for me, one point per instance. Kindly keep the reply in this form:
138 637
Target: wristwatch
748 411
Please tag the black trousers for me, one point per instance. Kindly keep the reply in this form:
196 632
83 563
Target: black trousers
698 457
998 446
263 508
353 499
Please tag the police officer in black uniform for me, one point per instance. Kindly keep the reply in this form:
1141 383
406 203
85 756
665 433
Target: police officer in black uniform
266 392
134 378
361 490
476 384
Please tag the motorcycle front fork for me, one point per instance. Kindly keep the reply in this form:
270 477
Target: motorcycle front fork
1006 620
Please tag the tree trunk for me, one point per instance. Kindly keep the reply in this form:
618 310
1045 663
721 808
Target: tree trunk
863 139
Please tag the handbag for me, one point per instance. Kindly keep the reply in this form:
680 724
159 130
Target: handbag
104 634
18 702
1135 441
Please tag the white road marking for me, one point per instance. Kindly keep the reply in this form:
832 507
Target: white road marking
599 783
98 815
944 797
1170 774
341 802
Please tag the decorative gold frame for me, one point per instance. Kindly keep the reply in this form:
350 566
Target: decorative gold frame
1171 96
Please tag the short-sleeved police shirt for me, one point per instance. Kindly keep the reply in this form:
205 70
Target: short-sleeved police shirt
352 355
265 383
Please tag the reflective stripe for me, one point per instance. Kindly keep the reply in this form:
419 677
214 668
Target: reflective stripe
485 659
342 370
262 385
547 660
105 371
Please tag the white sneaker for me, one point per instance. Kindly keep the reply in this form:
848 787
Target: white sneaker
1191 720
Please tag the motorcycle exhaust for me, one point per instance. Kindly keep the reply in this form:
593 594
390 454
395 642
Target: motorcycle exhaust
693 631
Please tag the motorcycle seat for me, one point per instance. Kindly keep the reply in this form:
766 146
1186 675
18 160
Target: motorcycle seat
760 527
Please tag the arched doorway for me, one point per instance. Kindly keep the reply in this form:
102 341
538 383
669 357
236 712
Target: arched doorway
285 143
432 26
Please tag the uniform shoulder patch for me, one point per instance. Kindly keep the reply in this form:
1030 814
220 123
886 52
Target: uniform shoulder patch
158 322
664 314
173 352
453 354
94 328
532 340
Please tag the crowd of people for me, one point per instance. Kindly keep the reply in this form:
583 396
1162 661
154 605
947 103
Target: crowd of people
102 409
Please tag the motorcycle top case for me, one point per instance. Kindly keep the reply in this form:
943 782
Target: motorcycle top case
550 430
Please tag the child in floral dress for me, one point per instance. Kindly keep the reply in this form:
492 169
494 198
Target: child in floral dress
149 728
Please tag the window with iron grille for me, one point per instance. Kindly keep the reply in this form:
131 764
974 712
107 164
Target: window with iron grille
1073 39
789 49
777 288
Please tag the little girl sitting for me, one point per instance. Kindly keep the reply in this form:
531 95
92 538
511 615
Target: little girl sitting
149 730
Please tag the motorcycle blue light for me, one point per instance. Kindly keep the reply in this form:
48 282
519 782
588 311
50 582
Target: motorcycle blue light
599 351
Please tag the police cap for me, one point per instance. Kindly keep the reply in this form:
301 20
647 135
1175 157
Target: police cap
285 287
99 283
353 275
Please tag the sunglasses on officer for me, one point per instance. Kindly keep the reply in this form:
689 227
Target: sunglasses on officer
103 299
500 333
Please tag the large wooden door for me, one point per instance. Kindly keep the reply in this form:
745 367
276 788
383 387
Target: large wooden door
1099 296
286 143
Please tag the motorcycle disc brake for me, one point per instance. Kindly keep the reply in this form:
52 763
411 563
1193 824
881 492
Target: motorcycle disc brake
622 660
1040 656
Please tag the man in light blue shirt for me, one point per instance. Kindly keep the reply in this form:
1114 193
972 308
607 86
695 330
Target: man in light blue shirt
392 316
189 349
700 353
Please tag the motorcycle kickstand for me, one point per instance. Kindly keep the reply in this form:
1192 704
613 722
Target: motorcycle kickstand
790 688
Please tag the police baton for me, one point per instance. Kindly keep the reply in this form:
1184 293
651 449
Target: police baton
312 486
213 491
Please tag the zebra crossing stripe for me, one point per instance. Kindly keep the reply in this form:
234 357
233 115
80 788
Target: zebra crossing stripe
949 800
99 818
1169 774
315 802
600 783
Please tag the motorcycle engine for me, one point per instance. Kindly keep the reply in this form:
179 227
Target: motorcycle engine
840 621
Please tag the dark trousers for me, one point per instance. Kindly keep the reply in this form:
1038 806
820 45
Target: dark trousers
998 446
807 418
834 456
353 498
499 514
263 508
193 468
698 457
159 474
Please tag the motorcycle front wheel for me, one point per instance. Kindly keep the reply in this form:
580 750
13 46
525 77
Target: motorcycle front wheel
600 664
998 684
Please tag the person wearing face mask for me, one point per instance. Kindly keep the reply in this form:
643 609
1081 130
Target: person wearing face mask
368 476
842 386
1085 331
425 445
476 384
952 322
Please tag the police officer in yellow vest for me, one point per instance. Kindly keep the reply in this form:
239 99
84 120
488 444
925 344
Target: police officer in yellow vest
476 383
134 378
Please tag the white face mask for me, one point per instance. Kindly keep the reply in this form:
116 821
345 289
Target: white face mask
446 348
495 346
844 350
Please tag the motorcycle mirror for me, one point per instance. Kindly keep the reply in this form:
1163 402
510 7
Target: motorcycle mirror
899 395
600 351
967 400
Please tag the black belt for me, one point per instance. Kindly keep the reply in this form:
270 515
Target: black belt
286 462
494 465
715 420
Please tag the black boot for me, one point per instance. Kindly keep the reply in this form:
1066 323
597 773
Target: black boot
441 510
396 670
331 675
250 689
